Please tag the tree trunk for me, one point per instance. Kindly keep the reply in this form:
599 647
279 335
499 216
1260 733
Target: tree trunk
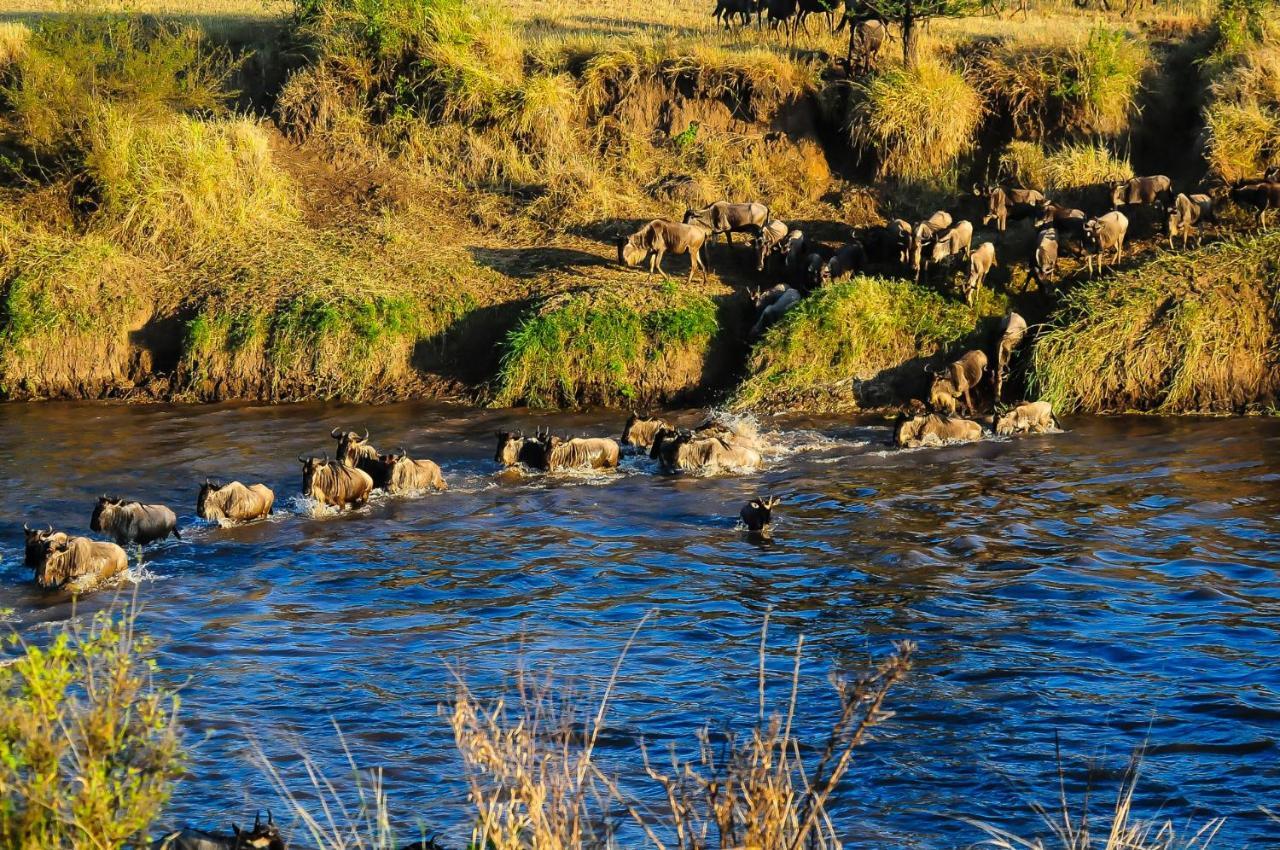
910 41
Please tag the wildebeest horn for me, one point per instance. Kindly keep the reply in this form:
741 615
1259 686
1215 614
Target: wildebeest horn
25 528
403 453
365 438
302 459
270 821
257 820
51 528
335 433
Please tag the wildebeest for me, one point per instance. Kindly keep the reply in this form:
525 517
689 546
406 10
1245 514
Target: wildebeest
757 515
782 12
685 452
1044 261
1187 212
659 238
354 450
263 836
736 432
406 475
848 259
335 484
1263 196
1029 417
234 502
1142 191
910 432
1067 221
805 8
774 310
1003 204
726 10
866 38
724 217
1013 328
1271 174
579 453
924 233
639 431
886 243
133 522
980 263
772 241
77 563
796 252
1106 233
958 380
948 245
813 267
515 448
33 543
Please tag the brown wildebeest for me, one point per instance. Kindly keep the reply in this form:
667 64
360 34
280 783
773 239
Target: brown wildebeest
957 381
1142 191
736 432
77 562
910 432
686 453
1013 328
34 543
773 311
848 259
133 522
772 241
515 448
924 233
1044 260
1187 212
355 451
1003 204
757 515
981 262
406 475
639 431
1106 234
1263 196
658 238
866 38
579 453
1029 417
234 502
335 484
724 217
263 836
948 245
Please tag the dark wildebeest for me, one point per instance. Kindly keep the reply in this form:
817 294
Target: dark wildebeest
1003 204
1067 221
34 540
724 217
639 431
553 454
1187 212
76 562
263 836
757 515
406 475
924 233
1029 417
782 12
886 243
910 432
796 250
514 448
774 310
686 452
866 38
981 262
1142 191
1272 174
958 380
335 484
772 242
1263 196
1013 328
947 246
234 502
726 10
133 522
805 8
848 259
355 451
1106 234
659 238
1044 261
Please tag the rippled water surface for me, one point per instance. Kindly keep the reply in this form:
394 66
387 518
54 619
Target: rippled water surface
1115 584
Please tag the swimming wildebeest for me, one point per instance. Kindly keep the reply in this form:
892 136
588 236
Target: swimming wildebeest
958 380
1263 196
866 38
724 217
1142 191
553 454
355 451
263 836
1029 417
772 242
234 502
686 452
1187 212
757 515
736 432
133 522
949 244
924 233
335 484
1106 234
930 429
76 562
981 262
659 238
1013 328
1003 204
774 310
1044 261
406 475
639 431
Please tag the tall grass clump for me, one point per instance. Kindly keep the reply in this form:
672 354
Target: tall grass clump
1242 117
13 43
916 122
1070 167
1194 332
89 743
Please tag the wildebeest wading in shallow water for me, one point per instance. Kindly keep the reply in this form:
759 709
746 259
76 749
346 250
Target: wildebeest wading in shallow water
234 502
930 429
77 562
639 431
958 380
405 475
133 522
1029 417
334 484
354 450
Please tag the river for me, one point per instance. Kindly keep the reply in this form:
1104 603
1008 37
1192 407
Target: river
1113 585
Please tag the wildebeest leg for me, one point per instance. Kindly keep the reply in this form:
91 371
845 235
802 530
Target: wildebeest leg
657 262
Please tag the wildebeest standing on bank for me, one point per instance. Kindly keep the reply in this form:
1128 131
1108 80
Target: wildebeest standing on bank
772 241
981 262
948 245
334 484
930 429
234 502
1187 212
1013 328
77 562
1044 260
866 38
724 217
406 475
771 312
658 238
639 431
354 450
726 10
1003 204
1029 417
263 836
1067 222
848 259
133 522
1156 190
924 233
958 380
1263 196
1106 234
757 515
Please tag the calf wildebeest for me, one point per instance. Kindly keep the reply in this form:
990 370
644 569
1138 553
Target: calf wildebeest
1044 260
774 311
772 241
354 450
1106 233
234 502
33 543
133 522
686 452
263 836
724 217
1013 328
406 475
726 10
1029 417
639 431
77 563
910 432
1187 212
1067 221
1142 191
757 515
1263 196
848 259
1003 204
958 380
924 233
659 238
980 263
335 484
866 38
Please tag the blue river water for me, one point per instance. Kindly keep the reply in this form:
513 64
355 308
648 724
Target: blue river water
1111 586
